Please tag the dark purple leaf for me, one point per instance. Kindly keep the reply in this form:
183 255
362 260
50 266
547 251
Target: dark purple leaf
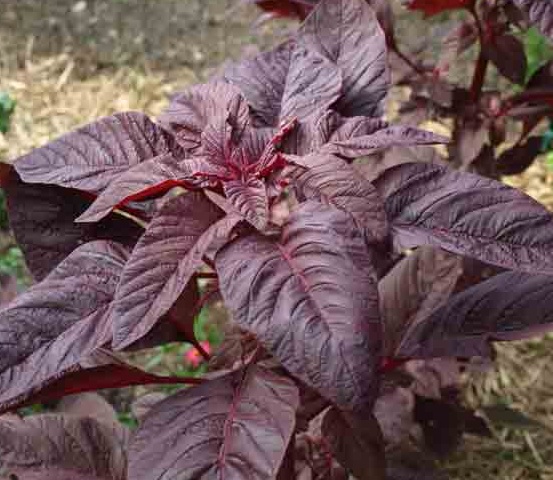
467 214
375 165
347 33
395 135
191 111
250 198
520 157
540 13
290 81
509 306
356 442
262 81
163 262
417 285
313 83
469 139
91 157
235 426
311 300
506 52
42 219
149 179
334 182
48 329
62 447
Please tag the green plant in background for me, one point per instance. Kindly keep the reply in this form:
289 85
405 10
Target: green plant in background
537 49
7 106
547 145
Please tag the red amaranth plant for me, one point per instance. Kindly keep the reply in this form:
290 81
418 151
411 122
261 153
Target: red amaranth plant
362 278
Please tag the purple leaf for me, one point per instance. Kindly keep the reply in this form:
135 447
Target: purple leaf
506 52
289 81
48 329
311 299
62 447
249 197
520 157
163 262
540 13
42 219
356 441
91 157
332 181
467 214
508 306
393 136
191 111
262 80
236 426
347 33
413 289
149 179
313 83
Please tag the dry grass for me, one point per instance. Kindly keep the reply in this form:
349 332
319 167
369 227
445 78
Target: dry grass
60 81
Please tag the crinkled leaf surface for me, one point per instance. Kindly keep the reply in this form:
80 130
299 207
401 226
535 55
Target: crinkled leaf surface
235 426
62 447
467 214
250 198
356 442
389 136
48 329
417 285
334 182
289 81
92 156
509 306
191 111
347 33
42 219
540 13
262 80
163 262
149 179
311 299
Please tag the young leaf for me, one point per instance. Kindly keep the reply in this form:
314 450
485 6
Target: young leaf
467 214
356 442
347 33
91 157
506 52
509 306
163 262
540 13
62 447
417 285
311 300
191 111
235 426
332 181
42 219
250 198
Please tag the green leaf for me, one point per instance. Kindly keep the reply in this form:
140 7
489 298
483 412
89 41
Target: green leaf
7 106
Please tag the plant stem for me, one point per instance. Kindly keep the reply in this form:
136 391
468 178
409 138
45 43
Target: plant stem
481 63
